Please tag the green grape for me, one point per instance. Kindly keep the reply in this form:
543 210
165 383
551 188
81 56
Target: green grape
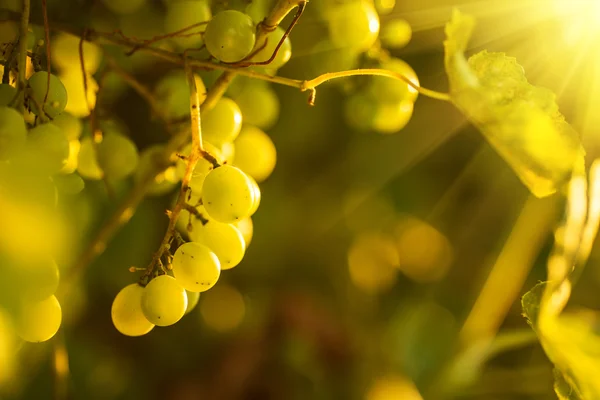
124 7
173 94
65 55
246 228
163 301
57 94
193 298
230 36
390 118
256 196
126 312
13 132
353 25
196 267
38 321
394 90
165 181
258 9
7 94
255 153
395 34
227 194
183 14
283 54
70 125
117 156
258 103
47 147
384 7
222 123
225 240
87 163
68 184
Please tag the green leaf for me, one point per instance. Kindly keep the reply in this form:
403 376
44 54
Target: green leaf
521 121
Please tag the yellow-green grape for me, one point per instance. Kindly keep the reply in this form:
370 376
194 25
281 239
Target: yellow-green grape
395 34
124 7
246 228
56 100
182 14
384 7
258 9
230 36
227 194
87 162
13 132
163 182
255 153
164 301
65 55
48 147
225 240
79 101
117 156
360 110
353 25
68 184
283 54
258 103
71 164
70 125
38 321
196 267
222 123
173 94
392 117
126 312
256 196
7 94
394 90
193 298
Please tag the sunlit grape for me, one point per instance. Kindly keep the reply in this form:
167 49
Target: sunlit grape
163 301
47 147
283 54
126 312
230 36
38 321
227 194
173 94
196 267
255 153
87 163
79 101
391 117
354 25
225 240
65 54
258 103
394 90
70 125
193 298
117 156
182 14
56 95
256 196
13 132
222 123
246 228
68 184
395 34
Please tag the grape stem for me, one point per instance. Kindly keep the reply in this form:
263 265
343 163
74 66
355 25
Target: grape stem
23 52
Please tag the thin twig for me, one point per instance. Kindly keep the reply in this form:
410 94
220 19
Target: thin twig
22 83
48 53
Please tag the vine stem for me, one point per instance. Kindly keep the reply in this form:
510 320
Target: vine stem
23 52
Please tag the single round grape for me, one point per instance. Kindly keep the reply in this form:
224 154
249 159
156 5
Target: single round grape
182 14
87 162
165 181
70 125
196 267
163 301
255 153
117 156
48 147
390 118
193 298
38 321
283 54
7 94
227 194
246 228
126 312
124 7
13 132
258 103
57 94
173 94
353 25
78 100
225 240
230 36
222 123
395 34
394 90
68 184
65 55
